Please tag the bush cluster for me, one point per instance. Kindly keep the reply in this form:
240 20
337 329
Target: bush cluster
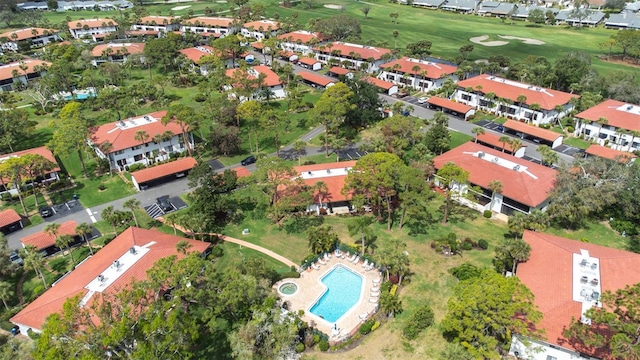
323 345
420 320
366 327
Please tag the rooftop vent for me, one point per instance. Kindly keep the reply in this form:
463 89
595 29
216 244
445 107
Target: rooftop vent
132 250
495 159
328 171
310 173
594 266
122 123
516 168
147 118
481 154
116 264
630 107
101 278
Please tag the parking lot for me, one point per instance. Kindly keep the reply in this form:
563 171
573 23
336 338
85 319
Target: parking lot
352 154
155 210
414 101
63 209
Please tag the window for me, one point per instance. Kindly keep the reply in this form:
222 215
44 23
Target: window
137 157
549 357
390 77
137 147
466 97
119 152
486 103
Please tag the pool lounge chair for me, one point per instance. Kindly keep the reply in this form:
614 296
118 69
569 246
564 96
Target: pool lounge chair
373 300
321 262
363 316
327 256
366 263
315 266
356 260
375 293
338 253
350 258
370 267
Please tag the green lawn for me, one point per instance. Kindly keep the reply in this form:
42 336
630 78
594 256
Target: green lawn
235 254
458 138
576 142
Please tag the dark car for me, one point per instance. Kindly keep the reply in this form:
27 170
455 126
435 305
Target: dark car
248 161
164 204
45 211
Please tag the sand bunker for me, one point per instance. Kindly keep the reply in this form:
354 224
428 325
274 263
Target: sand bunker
180 7
481 40
528 41
334 7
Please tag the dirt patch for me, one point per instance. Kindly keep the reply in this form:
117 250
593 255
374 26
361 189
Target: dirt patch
528 41
482 40
618 60
334 7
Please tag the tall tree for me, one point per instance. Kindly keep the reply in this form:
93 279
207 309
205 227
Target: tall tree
614 326
34 260
476 131
394 258
361 226
437 137
322 239
272 174
84 230
496 187
15 125
132 204
6 293
71 133
186 118
501 307
330 110
452 178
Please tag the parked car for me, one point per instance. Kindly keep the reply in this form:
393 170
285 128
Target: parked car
15 258
422 100
164 204
248 160
45 211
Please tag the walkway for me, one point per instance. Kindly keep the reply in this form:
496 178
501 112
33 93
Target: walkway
247 244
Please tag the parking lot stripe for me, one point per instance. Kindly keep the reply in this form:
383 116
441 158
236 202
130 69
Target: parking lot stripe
93 218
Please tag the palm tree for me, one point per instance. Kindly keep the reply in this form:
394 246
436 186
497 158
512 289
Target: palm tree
299 146
517 223
558 109
360 226
477 131
322 189
390 304
34 260
601 121
109 215
65 241
521 100
142 136
496 187
516 145
83 230
52 229
504 139
520 252
6 293
395 39
183 246
132 204
423 77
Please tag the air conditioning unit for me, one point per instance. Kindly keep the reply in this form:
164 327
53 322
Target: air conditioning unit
495 159
328 171
516 168
116 264
480 154
101 278
132 250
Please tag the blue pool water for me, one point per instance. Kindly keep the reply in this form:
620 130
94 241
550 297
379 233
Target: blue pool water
343 291
80 96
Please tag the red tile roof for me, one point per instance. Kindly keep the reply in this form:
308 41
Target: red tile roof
6 71
300 36
365 52
272 79
27 33
257 45
549 275
339 71
448 104
160 245
385 85
241 171
509 89
315 78
529 187
119 48
334 183
532 130
41 240
266 25
433 70
493 140
42 151
608 153
121 139
158 20
91 23
196 53
308 61
217 22
8 217
616 114
159 171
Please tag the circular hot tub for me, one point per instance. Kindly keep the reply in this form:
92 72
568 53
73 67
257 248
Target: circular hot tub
288 288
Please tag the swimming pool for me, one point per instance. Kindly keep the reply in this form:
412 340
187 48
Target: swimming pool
80 96
343 292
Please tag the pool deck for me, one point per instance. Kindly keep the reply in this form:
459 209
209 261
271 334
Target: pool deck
310 289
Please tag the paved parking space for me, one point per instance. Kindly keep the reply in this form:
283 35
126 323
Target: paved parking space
568 150
352 154
155 211
215 164
64 209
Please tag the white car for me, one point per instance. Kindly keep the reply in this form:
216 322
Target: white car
422 100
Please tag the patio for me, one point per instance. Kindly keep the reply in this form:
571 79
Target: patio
310 289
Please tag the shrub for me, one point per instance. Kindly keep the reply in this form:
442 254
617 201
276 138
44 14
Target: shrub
290 274
393 290
386 287
365 328
438 248
483 244
487 214
299 348
465 271
375 326
200 98
102 187
466 246
323 345
217 251
420 320
570 129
